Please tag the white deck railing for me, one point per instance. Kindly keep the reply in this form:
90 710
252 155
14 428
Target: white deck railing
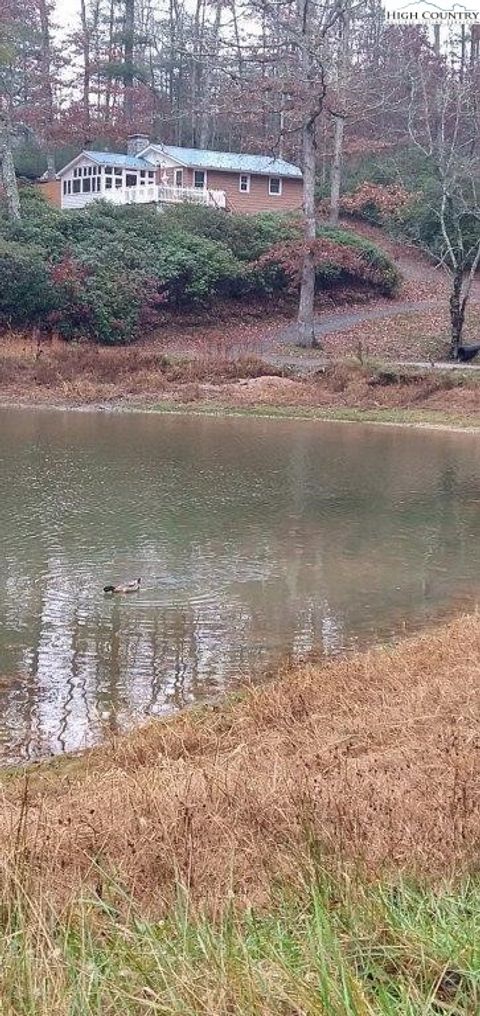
166 195
194 195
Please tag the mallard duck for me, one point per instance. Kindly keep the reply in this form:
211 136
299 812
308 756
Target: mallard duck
128 587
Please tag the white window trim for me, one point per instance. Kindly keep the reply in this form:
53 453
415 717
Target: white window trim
205 179
175 172
275 194
245 176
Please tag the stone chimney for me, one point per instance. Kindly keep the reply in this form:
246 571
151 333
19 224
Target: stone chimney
136 143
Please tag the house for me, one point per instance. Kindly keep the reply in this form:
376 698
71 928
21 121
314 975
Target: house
166 174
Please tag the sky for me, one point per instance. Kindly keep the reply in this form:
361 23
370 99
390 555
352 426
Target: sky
66 12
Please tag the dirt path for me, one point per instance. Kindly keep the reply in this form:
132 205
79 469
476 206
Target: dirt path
342 321
411 328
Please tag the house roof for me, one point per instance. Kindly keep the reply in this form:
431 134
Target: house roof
235 162
196 158
116 159
109 159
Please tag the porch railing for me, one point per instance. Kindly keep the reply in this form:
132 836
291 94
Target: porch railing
193 195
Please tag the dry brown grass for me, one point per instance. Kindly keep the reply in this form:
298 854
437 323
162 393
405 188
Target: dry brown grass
374 755
217 372
87 373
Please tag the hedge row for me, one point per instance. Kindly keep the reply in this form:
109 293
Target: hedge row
107 273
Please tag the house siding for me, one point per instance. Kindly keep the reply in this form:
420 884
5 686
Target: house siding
51 190
224 182
258 199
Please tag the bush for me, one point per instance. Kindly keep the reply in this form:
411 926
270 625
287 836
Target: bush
377 203
26 290
107 273
247 236
340 257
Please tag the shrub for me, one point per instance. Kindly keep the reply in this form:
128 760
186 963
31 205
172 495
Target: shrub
26 290
377 202
247 236
107 273
339 257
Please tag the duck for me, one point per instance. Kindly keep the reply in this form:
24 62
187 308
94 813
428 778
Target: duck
127 587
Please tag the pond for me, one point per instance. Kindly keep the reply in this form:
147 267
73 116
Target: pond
255 539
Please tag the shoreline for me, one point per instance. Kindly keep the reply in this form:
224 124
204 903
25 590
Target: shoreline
420 419
373 730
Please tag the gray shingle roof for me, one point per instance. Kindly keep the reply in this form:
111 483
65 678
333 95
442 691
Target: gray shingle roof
116 159
235 162
199 158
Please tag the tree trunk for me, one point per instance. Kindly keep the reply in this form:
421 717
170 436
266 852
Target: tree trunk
86 72
46 57
9 178
306 307
339 115
457 312
474 45
436 39
336 172
463 52
207 120
128 60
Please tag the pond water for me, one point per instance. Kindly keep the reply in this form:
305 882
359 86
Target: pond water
255 540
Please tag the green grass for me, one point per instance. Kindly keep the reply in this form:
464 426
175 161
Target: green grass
331 946
389 417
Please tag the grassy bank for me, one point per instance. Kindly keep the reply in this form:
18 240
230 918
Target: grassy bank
221 378
332 946
306 847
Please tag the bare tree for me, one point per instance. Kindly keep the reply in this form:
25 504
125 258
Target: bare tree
443 122
314 23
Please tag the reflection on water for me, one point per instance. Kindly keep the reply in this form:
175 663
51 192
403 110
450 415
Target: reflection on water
254 539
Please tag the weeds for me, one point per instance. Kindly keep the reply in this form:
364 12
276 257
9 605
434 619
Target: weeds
373 756
247 858
88 373
329 945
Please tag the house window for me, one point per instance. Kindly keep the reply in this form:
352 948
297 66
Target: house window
108 183
76 186
98 183
200 178
64 186
87 185
151 175
179 178
118 182
109 170
274 186
131 180
244 183
142 177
